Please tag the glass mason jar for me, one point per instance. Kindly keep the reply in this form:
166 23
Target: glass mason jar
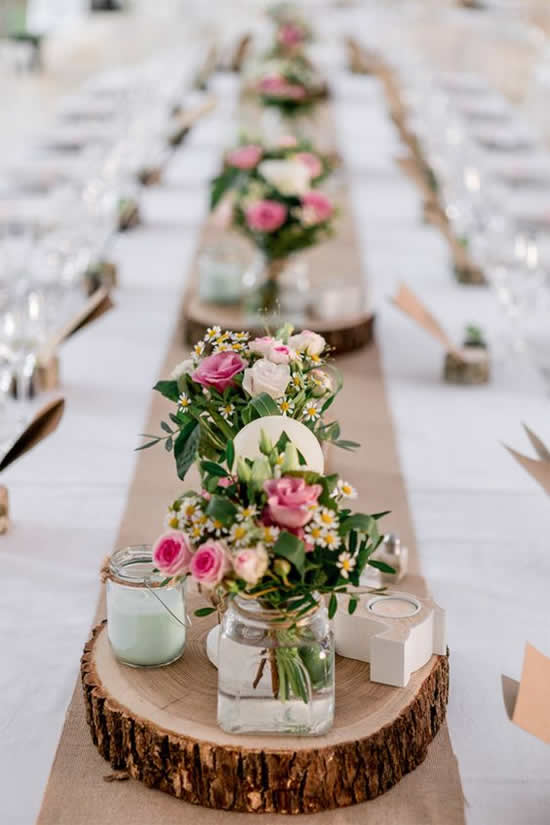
146 620
272 287
275 674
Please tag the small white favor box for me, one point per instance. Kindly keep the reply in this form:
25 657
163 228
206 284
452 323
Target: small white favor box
397 633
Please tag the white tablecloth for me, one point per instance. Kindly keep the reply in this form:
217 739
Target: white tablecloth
482 524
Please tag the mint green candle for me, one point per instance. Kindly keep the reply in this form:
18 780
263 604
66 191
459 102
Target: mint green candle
145 621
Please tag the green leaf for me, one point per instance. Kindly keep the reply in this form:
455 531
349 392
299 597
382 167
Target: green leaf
359 521
213 469
166 427
168 444
263 405
332 606
169 389
352 605
347 445
205 611
377 516
290 547
221 509
230 454
381 565
185 448
147 445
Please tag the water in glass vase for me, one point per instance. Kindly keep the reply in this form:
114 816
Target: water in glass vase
275 676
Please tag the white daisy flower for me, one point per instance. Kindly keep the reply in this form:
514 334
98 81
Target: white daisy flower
246 512
297 381
184 402
196 532
223 346
346 563
215 526
200 519
239 534
198 349
286 406
315 532
270 534
328 519
190 509
212 334
226 411
345 489
240 337
330 539
173 520
311 411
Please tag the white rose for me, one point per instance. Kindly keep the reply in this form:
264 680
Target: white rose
264 376
250 564
290 177
311 343
184 368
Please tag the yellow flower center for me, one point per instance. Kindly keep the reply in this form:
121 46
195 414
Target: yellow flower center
240 533
327 518
346 564
173 522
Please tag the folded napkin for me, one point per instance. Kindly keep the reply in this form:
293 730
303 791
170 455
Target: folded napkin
42 424
527 703
96 306
539 469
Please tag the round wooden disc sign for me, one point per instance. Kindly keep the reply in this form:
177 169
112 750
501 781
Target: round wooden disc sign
160 726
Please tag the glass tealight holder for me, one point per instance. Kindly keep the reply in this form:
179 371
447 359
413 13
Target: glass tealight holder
221 271
146 620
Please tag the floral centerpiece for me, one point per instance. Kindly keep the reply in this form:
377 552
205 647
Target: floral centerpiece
291 84
274 200
271 540
292 29
230 380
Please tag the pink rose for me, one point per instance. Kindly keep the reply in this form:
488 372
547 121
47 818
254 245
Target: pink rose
275 85
261 345
266 216
290 500
318 206
210 563
272 83
245 157
172 553
218 370
311 162
287 142
280 354
251 563
290 35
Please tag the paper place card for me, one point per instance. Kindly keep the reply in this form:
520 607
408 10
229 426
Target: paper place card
539 469
43 424
528 704
407 302
189 117
96 306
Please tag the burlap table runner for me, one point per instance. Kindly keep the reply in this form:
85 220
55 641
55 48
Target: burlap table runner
76 793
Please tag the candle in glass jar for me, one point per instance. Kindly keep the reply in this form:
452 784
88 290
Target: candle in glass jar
145 621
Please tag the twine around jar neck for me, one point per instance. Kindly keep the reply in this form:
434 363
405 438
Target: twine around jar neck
280 619
275 266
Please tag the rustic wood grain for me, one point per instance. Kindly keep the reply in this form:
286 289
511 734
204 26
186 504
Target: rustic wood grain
159 726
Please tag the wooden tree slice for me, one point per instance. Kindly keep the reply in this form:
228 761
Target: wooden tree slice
160 726
342 335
